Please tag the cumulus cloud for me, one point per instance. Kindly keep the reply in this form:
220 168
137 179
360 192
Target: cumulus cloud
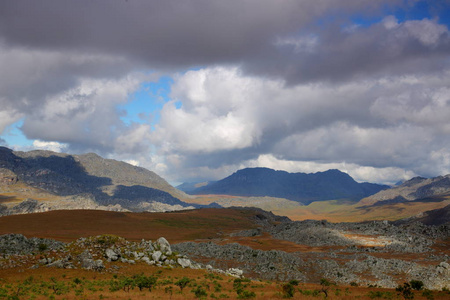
52 146
394 124
85 116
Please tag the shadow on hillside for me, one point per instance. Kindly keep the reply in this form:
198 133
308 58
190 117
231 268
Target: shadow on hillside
63 176
138 193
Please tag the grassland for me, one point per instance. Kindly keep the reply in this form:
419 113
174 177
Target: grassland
46 283
68 225
332 210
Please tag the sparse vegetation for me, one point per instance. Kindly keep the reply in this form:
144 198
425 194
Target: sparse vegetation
405 291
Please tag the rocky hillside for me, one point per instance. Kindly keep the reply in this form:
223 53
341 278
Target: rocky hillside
260 244
104 182
432 217
301 187
417 188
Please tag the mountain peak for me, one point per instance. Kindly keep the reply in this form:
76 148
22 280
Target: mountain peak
305 188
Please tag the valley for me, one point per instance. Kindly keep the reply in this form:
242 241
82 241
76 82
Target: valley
367 244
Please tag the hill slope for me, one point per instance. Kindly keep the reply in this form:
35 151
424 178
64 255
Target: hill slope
412 190
105 181
301 187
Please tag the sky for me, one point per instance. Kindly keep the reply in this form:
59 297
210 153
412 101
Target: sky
197 89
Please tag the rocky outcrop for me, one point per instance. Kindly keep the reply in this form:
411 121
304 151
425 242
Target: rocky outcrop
273 265
18 244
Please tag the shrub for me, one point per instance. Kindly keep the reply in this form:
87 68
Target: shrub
405 291
416 285
142 281
428 294
288 289
182 283
325 283
246 294
42 247
199 292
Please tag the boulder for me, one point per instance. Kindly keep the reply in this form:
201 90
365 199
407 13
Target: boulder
235 272
184 262
90 264
156 255
164 246
111 254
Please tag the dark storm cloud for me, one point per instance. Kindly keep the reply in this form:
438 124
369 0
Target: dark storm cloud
339 54
168 34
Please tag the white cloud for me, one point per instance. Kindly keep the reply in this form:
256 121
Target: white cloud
387 127
52 146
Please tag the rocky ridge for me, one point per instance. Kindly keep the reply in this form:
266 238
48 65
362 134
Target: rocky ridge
99 253
414 189
88 181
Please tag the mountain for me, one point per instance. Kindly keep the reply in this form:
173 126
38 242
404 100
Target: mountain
417 188
105 182
435 217
301 187
189 187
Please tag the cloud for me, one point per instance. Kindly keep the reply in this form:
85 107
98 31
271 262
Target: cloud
52 146
332 54
3 142
85 116
255 82
395 124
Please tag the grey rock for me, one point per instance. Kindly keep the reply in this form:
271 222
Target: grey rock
156 255
184 262
111 254
235 272
90 264
164 246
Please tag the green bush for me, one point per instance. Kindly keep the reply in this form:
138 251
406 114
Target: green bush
199 292
182 283
428 294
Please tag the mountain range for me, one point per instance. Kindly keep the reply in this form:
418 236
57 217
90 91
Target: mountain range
300 187
39 181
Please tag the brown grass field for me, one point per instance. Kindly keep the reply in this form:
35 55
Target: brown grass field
47 283
194 225
68 225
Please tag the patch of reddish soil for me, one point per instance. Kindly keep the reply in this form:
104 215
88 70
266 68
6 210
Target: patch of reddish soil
177 227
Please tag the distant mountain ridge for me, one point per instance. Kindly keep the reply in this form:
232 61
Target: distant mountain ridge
300 187
108 182
414 189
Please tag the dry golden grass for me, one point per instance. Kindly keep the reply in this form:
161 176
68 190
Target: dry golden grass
332 210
